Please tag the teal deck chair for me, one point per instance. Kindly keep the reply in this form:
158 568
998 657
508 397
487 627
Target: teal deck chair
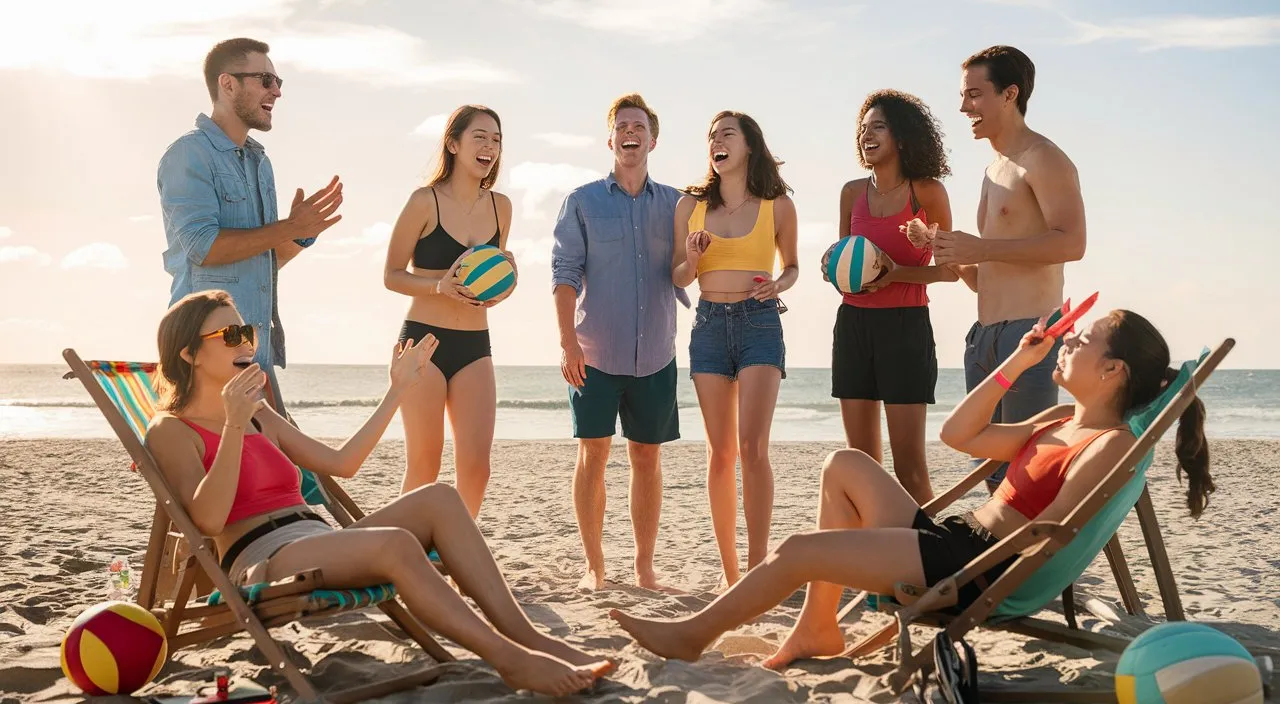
1051 556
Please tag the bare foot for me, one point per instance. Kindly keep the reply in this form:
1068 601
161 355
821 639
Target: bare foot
593 580
670 639
725 583
807 642
560 649
646 579
544 674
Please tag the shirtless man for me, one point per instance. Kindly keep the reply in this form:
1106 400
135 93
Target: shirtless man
1031 221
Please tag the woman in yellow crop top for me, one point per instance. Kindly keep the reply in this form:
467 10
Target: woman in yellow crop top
728 233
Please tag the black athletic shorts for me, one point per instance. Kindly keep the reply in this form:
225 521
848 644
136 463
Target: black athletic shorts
947 546
884 354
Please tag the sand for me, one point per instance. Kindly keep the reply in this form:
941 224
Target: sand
68 506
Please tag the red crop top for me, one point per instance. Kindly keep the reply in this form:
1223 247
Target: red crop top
1036 474
268 480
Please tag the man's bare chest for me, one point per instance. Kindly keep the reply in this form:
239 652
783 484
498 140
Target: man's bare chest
1010 202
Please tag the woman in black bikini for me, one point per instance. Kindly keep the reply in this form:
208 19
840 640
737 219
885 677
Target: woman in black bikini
455 211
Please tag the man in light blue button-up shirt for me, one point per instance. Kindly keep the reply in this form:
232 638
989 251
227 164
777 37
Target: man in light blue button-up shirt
616 308
218 199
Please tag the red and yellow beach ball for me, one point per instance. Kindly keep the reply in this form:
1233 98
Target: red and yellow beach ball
113 648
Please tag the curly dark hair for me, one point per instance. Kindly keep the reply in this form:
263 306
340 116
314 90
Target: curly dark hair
917 132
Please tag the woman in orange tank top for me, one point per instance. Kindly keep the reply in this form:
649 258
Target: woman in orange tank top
232 462
872 535
728 234
882 344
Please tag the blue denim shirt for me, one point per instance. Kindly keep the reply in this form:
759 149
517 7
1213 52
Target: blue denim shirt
615 250
207 182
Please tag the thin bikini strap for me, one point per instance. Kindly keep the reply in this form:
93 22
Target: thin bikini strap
497 223
915 202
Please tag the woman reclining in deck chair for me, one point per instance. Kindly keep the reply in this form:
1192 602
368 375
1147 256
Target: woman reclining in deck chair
233 464
872 535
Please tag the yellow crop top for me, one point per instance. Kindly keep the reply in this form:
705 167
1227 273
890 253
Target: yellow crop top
754 251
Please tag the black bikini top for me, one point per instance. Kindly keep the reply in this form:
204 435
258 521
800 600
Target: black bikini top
438 249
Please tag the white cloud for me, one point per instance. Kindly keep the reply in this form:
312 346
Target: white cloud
1185 31
1042 4
5 232
23 253
31 324
147 38
373 237
815 233
544 184
141 218
99 255
531 251
661 21
432 127
567 141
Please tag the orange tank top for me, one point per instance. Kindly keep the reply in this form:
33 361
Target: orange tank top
1036 474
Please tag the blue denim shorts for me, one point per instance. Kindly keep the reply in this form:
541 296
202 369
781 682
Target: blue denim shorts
728 337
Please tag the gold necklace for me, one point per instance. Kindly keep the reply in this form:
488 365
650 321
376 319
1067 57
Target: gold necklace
891 190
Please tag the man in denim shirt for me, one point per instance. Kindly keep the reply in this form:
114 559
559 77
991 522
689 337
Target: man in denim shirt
218 197
615 305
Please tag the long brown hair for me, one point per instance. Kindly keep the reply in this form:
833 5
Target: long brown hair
180 331
764 180
1137 343
458 123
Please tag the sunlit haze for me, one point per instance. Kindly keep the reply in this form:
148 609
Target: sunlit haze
1168 110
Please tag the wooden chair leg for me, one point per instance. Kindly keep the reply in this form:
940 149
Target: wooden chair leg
1124 580
1159 558
174 623
1069 606
151 563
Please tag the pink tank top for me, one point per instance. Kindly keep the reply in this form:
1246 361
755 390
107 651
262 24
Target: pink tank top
883 233
268 480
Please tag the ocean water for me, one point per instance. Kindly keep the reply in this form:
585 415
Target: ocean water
332 400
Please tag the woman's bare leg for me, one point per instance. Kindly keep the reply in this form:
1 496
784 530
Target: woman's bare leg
861 419
473 403
362 556
856 493
422 412
873 559
717 399
437 517
906 441
757 398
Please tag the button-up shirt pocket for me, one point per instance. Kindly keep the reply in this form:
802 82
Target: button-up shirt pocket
233 197
603 229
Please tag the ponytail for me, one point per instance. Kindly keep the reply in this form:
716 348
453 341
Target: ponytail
1137 343
1192 450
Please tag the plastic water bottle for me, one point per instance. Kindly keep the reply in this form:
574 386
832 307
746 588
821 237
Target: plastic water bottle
120 585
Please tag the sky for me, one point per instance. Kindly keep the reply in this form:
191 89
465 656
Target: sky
1168 110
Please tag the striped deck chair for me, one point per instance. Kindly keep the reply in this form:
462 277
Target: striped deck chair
125 394
1052 555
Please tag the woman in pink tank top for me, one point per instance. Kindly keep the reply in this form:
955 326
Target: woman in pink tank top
232 462
883 349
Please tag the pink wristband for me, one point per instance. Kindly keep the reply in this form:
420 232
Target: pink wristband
1003 380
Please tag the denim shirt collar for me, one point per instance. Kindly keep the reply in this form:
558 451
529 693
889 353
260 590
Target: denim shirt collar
611 183
219 139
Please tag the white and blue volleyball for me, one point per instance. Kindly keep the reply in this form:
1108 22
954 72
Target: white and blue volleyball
853 263
1187 663
486 272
